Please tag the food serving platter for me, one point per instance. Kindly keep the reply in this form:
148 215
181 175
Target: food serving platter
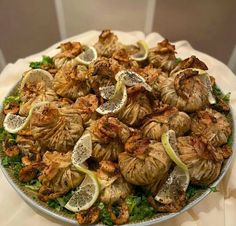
29 196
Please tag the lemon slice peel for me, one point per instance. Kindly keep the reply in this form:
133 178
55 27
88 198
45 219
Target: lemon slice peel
14 123
143 52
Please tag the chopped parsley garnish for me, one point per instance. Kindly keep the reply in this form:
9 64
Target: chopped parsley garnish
53 203
4 135
216 90
222 100
226 97
213 189
33 185
11 161
38 64
104 214
230 140
5 161
63 200
14 163
16 168
191 191
139 208
12 99
59 203
178 60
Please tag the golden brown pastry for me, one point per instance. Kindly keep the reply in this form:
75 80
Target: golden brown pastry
137 107
113 185
163 56
212 125
186 91
107 44
56 128
35 92
143 162
157 124
108 136
72 81
67 54
202 159
59 176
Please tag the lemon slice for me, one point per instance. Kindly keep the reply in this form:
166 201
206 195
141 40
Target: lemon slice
168 140
88 191
87 56
86 195
35 76
178 180
207 79
211 97
143 52
14 123
107 92
117 102
131 78
82 150
117 96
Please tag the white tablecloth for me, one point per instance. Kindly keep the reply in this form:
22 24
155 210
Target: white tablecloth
218 209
